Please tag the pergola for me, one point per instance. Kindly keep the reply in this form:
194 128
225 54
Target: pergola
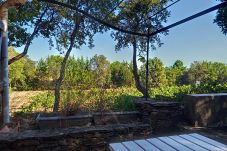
4 89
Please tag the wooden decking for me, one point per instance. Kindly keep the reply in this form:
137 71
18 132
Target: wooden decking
185 142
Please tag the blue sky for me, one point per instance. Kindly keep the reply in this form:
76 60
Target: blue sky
197 40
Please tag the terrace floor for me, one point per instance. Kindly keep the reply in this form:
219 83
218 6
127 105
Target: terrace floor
218 134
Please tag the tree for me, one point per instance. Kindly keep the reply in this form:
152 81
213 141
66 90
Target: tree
157 77
134 16
76 30
121 74
101 71
221 19
206 72
22 72
41 20
78 73
16 76
53 66
42 72
175 73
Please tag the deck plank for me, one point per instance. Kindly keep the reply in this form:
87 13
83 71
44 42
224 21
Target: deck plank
174 144
117 147
201 143
187 143
146 145
210 141
161 145
132 146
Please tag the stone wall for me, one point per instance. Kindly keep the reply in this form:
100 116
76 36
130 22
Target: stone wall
72 139
206 109
162 116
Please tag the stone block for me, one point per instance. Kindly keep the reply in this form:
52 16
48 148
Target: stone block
209 110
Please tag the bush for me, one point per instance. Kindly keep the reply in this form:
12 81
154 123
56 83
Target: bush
92 100
120 99
41 102
211 87
171 93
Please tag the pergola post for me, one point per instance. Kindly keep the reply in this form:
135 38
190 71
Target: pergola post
147 63
4 66
4 79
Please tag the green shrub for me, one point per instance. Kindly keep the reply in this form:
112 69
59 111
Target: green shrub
41 102
170 93
120 99
211 87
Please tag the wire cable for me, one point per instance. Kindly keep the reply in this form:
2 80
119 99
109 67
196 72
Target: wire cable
221 5
164 8
114 8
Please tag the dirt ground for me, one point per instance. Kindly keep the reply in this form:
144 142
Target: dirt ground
18 99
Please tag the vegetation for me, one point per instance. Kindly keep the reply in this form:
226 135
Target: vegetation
221 19
135 16
78 80
97 85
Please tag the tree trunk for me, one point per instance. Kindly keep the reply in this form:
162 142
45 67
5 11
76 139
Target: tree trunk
138 83
60 79
62 71
29 40
25 51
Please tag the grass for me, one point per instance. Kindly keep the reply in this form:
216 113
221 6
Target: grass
120 99
93 100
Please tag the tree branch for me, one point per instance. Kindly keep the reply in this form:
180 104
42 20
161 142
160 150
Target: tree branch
29 40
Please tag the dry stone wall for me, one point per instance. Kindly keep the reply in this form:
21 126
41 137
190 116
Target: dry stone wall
162 116
72 139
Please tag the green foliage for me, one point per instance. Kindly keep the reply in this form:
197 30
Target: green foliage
24 27
78 73
124 103
211 87
53 66
42 102
21 73
170 93
120 99
121 74
157 76
174 74
134 17
221 19
101 70
87 100
206 72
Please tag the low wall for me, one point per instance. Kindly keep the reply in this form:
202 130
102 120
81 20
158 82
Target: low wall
206 109
72 139
162 116
53 120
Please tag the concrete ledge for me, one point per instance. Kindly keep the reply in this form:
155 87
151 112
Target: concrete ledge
53 120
